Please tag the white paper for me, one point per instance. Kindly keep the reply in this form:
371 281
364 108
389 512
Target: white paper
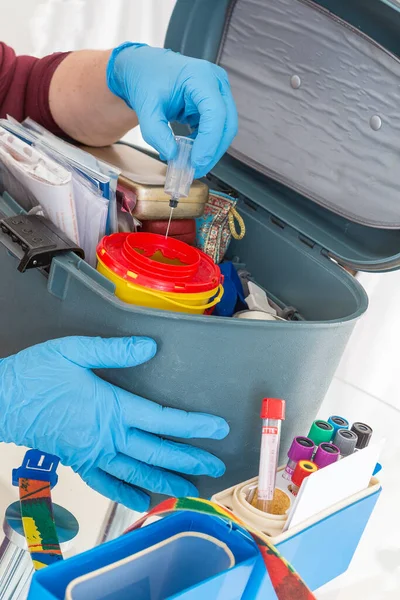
333 484
26 171
96 219
258 299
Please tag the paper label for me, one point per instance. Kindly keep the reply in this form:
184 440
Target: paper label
268 462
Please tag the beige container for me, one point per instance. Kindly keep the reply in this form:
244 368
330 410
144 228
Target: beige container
234 499
145 176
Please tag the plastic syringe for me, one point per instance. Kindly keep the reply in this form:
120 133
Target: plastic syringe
272 415
180 174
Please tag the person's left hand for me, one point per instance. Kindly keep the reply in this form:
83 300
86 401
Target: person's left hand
51 400
162 86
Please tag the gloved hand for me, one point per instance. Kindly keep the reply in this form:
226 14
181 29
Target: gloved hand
162 86
50 400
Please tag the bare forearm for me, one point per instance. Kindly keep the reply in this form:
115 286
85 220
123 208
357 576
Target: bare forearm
81 103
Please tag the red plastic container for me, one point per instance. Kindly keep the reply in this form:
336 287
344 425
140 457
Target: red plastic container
152 270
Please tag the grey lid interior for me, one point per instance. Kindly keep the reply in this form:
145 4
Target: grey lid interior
318 105
321 155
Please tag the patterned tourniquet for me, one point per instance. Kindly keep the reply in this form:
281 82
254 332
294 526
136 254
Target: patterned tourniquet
287 584
38 522
217 226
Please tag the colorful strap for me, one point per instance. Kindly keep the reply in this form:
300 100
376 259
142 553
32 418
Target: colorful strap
287 584
35 478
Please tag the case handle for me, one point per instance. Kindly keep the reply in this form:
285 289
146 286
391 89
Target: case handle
232 216
34 240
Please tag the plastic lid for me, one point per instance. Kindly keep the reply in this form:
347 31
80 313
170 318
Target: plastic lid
302 448
159 263
363 433
321 431
326 455
338 422
303 469
346 441
273 408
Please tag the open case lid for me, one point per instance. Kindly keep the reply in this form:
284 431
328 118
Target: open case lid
318 97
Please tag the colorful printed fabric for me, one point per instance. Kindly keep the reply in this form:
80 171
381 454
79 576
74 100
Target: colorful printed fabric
216 227
286 582
38 522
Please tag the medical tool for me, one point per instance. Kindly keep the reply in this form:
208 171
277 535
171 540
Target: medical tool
272 415
180 174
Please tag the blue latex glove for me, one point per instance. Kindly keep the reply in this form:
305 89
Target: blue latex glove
51 400
162 86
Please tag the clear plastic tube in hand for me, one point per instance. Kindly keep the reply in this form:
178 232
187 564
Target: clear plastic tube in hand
180 172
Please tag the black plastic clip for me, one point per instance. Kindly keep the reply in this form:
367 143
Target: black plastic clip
35 240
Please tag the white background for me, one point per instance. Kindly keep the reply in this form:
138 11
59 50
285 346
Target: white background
40 27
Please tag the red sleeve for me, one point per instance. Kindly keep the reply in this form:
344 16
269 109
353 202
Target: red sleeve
24 87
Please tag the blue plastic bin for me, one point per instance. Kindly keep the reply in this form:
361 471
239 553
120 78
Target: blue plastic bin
52 582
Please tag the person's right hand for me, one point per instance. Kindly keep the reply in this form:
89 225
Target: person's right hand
162 86
51 400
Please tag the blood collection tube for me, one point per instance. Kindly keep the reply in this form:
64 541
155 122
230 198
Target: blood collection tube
346 441
338 423
303 469
272 415
363 433
326 454
320 431
302 448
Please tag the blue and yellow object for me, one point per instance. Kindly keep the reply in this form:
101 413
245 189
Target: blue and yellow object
35 478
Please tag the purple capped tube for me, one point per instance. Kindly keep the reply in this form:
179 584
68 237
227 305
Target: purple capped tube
302 448
326 455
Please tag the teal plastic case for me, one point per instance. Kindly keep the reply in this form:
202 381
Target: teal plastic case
293 248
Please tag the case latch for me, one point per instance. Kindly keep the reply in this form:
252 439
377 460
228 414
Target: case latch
35 240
